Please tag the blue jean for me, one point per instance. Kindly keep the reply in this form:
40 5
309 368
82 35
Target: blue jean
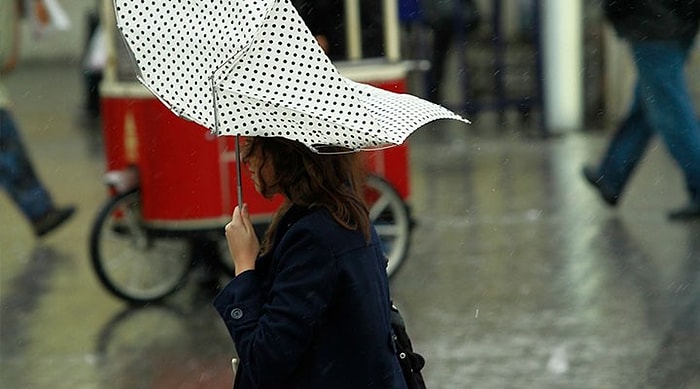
17 175
661 105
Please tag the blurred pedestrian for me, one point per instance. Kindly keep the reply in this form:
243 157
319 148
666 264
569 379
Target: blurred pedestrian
413 38
17 175
326 20
94 61
660 34
410 12
313 311
451 21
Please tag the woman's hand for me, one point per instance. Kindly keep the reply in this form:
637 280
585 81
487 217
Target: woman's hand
243 245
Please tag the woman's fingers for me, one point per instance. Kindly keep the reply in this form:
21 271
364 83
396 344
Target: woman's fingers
242 242
246 218
238 219
232 224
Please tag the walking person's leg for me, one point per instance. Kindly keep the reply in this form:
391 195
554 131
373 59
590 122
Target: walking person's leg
670 110
17 174
20 181
626 148
443 35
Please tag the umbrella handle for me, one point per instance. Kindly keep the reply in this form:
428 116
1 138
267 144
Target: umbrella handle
239 185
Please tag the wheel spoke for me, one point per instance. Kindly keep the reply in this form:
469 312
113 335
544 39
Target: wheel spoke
391 230
379 206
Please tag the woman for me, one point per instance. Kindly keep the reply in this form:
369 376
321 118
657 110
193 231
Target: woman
313 310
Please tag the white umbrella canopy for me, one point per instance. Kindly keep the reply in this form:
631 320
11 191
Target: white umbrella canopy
253 68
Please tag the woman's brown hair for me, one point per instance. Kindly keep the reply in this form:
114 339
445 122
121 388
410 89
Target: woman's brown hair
333 181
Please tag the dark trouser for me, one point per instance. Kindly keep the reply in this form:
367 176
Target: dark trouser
17 175
443 36
661 106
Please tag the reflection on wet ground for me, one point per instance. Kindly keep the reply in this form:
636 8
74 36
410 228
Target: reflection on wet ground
517 275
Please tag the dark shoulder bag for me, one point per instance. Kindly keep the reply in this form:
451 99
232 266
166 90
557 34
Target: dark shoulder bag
411 362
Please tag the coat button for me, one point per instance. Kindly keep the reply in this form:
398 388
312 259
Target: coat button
236 313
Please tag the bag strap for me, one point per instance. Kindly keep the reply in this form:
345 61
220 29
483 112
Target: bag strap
411 362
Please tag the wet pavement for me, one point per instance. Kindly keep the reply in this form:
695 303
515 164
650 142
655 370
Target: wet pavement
517 276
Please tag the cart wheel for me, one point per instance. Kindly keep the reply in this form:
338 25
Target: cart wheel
389 214
129 260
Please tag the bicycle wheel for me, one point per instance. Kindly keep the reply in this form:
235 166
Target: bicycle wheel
390 217
131 262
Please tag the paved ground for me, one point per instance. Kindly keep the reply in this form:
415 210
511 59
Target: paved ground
517 275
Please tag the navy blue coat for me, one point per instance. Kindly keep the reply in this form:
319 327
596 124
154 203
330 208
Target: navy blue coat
315 311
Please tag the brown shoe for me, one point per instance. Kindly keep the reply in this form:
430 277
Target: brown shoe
52 220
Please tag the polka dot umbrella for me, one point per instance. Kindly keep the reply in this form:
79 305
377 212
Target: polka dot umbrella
253 68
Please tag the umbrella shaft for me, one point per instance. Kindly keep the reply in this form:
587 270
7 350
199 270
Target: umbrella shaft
239 186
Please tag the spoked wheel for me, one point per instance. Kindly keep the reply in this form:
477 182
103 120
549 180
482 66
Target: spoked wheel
390 217
130 261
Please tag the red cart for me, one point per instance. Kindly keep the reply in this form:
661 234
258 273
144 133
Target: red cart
169 195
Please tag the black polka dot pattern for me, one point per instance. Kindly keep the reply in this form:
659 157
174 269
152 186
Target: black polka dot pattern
259 63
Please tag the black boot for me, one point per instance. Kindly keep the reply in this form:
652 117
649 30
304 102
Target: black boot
595 179
52 220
